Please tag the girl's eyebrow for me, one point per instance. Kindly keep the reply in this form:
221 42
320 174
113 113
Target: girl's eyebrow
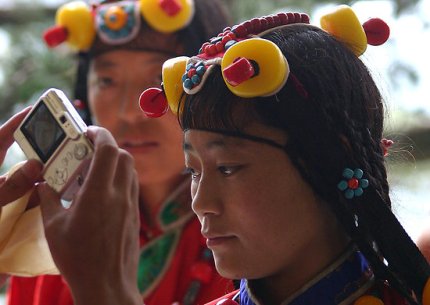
217 143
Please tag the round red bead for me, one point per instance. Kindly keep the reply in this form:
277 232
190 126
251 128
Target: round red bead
353 183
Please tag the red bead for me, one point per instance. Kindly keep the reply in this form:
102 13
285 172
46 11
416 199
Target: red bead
225 39
270 21
55 36
202 271
232 35
283 18
239 71
211 50
248 25
277 20
353 183
170 7
305 18
297 18
153 102
191 72
219 46
240 30
264 24
291 18
377 31
256 25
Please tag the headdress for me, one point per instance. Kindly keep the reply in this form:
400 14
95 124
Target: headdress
115 22
252 66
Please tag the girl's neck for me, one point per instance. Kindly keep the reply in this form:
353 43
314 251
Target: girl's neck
151 196
278 287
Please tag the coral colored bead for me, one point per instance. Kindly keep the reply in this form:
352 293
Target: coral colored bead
240 30
238 72
264 24
256 25
305 18
211 50
202 271
283 18
225 39
170 7
248 25
277 20
270 21
219 46
191 72
153 102
353 183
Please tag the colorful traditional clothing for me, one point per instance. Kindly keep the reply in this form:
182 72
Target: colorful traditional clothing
175 264
344 282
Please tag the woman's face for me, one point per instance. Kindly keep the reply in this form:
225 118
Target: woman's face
259 216
116 80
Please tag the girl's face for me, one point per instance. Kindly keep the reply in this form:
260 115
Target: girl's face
259 216
116 80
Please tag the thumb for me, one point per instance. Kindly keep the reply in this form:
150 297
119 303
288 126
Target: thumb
50 202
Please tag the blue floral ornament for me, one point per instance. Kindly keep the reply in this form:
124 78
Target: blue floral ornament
353 185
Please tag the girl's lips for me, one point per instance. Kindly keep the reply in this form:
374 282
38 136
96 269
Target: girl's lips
218 241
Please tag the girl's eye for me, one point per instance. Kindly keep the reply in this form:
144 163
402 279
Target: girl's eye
227 170
104 82
194 174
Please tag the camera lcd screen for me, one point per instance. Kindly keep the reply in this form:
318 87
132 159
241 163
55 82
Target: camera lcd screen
43 132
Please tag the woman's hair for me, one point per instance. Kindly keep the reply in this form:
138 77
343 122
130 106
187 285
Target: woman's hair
337 125
210 18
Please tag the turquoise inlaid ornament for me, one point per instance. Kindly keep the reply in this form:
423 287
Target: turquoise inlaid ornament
353 185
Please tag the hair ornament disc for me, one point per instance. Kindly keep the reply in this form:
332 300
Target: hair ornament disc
254 67
344 25
167 15
74 25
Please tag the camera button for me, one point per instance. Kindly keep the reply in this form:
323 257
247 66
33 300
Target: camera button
80 151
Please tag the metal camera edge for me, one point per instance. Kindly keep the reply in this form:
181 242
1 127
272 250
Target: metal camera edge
54 133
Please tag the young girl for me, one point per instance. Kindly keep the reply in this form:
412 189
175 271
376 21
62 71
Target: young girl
282 135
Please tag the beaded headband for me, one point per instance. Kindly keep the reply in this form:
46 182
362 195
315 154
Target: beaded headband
115 22
252 66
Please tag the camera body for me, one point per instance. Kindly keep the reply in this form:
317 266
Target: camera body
54 133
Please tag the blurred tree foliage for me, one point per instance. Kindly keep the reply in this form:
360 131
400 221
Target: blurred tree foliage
29 67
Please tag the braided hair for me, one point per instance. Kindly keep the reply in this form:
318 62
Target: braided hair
338 124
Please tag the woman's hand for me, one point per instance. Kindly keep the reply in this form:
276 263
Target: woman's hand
27 175
95 243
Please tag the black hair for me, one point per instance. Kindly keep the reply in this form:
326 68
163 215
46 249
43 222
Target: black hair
210 18
338 125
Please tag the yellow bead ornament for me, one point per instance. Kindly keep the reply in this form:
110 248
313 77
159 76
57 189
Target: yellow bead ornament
368 300
344 24
161 21
273 69
115 18
426 293
76 17
173 69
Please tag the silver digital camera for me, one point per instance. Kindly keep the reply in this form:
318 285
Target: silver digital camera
54 133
